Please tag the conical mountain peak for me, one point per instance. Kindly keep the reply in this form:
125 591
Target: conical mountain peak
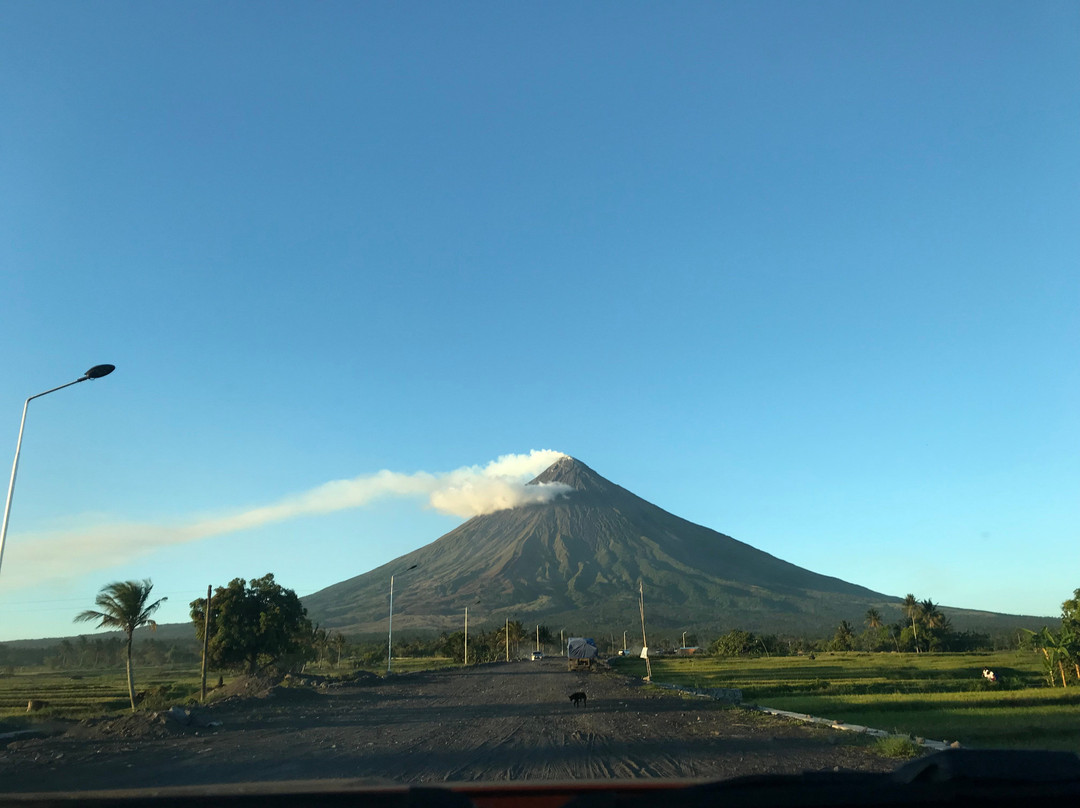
572 472
579 557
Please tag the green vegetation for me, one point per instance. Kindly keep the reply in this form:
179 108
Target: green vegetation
922 628
1061 649
257 626
937 696
897 746
86 693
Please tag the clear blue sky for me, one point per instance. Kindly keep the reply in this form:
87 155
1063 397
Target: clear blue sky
805 273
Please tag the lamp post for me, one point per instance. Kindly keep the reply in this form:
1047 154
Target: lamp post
96 372
390 633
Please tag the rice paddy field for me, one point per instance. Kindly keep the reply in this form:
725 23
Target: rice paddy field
85 694
935 696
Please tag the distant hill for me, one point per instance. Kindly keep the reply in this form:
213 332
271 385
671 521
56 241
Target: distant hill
575 562
165 633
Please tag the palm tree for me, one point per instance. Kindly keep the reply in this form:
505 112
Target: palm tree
842 639
124 607
911 609
873 618
931 614
933 620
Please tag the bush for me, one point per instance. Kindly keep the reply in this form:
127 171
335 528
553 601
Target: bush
897 746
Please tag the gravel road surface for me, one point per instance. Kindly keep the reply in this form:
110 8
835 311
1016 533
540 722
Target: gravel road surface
504 722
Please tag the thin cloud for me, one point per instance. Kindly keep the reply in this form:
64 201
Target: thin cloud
466 492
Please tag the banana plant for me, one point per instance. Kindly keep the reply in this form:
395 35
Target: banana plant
1056 649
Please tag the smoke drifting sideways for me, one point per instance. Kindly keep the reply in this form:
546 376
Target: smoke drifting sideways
466 492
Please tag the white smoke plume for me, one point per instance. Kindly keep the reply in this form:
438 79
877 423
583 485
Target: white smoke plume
465 492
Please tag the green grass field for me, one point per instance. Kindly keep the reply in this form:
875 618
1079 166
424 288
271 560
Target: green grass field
937 696
84 694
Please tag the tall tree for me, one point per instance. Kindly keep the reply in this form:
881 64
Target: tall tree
935 624
124 605
1070 612
735 643
254 626
873 618
911 609
841 641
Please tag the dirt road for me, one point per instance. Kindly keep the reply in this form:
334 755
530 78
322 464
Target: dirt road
490 723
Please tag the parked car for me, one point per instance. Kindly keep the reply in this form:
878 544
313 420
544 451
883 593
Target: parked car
536 655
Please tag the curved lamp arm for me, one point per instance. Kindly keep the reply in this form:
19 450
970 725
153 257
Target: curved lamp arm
96 372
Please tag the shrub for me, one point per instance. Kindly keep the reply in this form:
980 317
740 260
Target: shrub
897 746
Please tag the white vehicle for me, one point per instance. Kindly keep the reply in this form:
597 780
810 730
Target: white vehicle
536 655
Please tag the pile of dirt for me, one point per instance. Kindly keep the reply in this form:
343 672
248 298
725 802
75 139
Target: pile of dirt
133 725
341 680
356 678
244 687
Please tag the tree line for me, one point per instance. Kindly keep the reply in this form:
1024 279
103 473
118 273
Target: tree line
921 628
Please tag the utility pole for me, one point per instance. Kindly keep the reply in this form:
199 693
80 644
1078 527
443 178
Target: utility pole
508 639
644 639
624 640
684 639
390 628
205 644
466 635
390 631
538 637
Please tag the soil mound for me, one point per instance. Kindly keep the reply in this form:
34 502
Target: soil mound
134 725
245 687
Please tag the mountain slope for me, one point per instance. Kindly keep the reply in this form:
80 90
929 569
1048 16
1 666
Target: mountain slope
576 561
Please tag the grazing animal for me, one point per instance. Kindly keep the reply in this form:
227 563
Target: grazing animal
34 705
579 697
989 675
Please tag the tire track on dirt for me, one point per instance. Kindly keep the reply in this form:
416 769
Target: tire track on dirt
490 722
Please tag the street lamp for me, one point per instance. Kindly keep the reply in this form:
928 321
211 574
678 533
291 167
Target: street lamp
96 372
390 633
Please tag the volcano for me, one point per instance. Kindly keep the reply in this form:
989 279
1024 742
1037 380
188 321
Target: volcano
577 561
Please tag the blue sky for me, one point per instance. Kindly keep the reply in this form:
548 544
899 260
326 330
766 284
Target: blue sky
805 273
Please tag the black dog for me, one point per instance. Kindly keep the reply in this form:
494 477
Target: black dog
579 697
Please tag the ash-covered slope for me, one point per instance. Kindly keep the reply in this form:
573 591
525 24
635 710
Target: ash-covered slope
576 561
